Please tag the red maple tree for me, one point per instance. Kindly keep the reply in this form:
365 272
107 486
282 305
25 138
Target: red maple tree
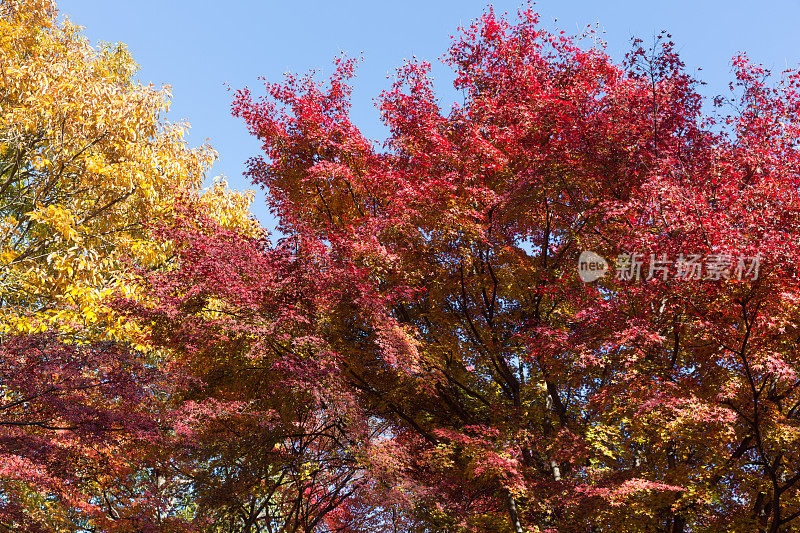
419 353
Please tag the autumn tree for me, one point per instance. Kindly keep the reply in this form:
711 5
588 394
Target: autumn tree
88 167
485 386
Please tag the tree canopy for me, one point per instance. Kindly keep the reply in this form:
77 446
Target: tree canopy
418 349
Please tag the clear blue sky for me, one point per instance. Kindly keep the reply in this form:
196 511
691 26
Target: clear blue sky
198 46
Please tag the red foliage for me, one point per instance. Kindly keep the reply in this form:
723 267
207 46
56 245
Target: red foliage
71 419
420 353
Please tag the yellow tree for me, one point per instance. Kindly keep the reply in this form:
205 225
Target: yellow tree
87 162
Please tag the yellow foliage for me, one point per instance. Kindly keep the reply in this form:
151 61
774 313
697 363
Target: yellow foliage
230 209
86 165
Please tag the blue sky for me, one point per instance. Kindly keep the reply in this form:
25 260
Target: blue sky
197 47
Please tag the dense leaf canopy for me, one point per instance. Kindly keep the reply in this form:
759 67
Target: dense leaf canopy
420 350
